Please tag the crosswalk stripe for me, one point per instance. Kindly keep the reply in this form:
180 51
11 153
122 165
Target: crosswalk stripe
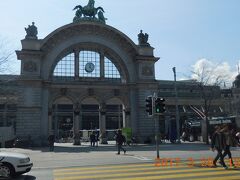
232 177
104 166
127 166
162 174
116 167
130 170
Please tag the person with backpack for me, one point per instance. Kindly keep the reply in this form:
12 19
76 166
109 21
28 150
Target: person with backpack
120 140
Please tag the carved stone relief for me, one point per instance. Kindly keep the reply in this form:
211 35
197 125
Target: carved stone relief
30 66
147 71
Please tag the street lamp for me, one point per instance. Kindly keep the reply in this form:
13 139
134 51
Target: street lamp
176 104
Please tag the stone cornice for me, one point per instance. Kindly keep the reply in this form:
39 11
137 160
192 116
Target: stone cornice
147 58
28 53
89 28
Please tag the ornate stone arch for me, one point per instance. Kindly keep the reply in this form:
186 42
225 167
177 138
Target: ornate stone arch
100 48
111 40
55 98
86 97
121 99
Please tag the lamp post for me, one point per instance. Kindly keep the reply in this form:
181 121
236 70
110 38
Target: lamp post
176 104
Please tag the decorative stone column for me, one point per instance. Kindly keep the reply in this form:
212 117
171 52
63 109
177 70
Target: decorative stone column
102 65
126 117
50 131
76 63
5 115
102 124
167 124
76 134
55 110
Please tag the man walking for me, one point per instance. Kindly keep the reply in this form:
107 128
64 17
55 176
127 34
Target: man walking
218 143
51 139
230 142
120 139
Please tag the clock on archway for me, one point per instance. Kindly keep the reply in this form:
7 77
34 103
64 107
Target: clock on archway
89 67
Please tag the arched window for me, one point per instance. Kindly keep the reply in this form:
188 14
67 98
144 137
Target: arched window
110 69
89 64
65 67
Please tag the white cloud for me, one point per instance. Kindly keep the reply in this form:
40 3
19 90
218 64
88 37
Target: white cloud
211 72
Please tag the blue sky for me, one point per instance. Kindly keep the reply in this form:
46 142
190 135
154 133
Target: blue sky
181 31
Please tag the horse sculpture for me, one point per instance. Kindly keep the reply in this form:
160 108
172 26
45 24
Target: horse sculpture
88 11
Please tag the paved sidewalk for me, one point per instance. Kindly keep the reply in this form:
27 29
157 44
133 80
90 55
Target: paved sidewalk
67 155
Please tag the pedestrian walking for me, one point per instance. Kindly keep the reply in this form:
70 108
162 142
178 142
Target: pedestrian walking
120 140
238 138
92 139
218 143
51 139
96 138
184 135
230 142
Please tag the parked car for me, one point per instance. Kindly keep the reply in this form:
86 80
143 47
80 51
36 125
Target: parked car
14 164
23 142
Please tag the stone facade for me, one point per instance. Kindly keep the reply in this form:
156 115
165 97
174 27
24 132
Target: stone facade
39 94
40 90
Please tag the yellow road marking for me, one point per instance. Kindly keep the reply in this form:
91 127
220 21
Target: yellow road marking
203 178
160 173
132 169
117 167
114 166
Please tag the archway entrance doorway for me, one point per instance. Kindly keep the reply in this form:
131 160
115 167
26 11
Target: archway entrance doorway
63 117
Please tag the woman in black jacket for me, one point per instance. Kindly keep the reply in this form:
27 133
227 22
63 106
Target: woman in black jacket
218 143
230 141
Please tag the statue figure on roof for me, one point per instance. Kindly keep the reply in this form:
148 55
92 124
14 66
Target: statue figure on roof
101 17
89 12
31 31
143 39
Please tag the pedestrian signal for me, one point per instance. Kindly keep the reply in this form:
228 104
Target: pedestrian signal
149 105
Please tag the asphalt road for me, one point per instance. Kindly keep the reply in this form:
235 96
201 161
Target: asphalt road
69 156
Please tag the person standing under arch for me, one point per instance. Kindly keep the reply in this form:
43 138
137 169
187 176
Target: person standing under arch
120 140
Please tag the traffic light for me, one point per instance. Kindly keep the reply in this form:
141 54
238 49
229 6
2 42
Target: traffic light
160 105
149 105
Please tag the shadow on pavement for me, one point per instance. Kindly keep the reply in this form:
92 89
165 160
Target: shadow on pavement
24 177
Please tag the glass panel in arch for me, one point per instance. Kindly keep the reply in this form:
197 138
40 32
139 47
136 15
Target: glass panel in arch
89 64
65 67
110 69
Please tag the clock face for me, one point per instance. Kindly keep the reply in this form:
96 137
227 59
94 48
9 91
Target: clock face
89 67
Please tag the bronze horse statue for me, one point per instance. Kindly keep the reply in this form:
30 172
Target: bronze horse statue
88 10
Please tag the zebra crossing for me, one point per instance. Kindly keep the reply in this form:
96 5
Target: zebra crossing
147 171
